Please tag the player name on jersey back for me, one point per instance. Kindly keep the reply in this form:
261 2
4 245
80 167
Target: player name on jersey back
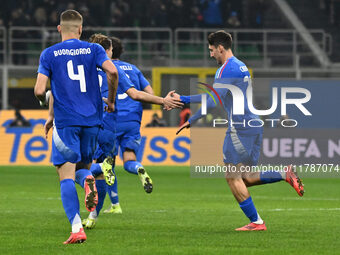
126 68
72 52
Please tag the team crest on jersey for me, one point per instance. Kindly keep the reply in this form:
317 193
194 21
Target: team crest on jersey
243 68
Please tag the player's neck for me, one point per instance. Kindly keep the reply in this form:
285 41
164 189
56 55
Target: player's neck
69 36
228 54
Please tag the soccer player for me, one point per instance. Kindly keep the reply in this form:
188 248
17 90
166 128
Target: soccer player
242 142
121 128
129 114
77 112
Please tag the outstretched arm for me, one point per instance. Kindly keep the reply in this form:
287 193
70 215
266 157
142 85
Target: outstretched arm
168 102
211 103
196 116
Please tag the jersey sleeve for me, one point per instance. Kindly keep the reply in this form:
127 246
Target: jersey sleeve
44 64
142 80
124 81
212 102
101 56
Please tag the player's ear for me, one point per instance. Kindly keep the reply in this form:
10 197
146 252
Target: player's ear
80 29
59 28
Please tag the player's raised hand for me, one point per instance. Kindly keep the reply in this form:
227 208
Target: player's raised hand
110 106
48 125
185 125
171 102
176 96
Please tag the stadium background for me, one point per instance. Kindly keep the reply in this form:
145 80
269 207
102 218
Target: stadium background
280 40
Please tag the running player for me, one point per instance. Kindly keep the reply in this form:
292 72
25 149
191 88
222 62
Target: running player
128 128
77 112
126 122
242 142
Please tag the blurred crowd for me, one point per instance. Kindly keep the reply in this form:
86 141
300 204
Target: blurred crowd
126 13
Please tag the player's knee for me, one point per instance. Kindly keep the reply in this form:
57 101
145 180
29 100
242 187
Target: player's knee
232 176
247 182
129 155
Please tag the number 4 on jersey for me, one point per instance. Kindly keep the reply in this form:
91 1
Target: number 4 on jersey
77 77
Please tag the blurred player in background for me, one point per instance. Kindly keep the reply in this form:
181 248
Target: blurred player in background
242 143
76 110
122 127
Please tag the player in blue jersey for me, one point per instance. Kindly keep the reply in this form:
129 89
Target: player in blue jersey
242 142
77 112
121 128
128 137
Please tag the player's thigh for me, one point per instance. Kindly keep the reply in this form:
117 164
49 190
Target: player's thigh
256 149
131 139
88 143
66 171
233 172
241 149
66 145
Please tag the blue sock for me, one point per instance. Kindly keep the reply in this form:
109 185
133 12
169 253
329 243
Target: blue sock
69 198
101 188
270 176
249 209
113 191
132 166
81 175
96 169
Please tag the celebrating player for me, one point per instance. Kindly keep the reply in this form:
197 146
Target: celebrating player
242 143
125 122
77 112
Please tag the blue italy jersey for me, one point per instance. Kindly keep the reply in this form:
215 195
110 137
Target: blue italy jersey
127 108
72 68
124 84
234 72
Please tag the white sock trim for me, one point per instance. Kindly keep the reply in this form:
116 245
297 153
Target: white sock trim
76 224
93 215
259 220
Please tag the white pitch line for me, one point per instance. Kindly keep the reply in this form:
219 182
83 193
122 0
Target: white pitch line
297 198
300 209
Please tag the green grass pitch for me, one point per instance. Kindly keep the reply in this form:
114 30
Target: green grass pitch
183 215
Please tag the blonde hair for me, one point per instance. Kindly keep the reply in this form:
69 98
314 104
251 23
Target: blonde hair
70 20
101 39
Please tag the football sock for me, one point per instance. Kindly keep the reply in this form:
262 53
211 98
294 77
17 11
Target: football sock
272 176
249 210
132 166
113 191
69 198
101 188
96 169
81 175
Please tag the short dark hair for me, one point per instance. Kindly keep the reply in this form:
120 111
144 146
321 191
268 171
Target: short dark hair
220 37
101 39
117 47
